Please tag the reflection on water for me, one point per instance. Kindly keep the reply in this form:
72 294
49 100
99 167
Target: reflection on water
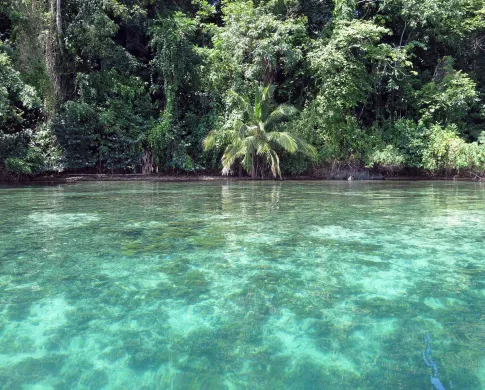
243 285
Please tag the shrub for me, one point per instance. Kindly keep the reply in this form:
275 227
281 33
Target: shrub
446 150
18 166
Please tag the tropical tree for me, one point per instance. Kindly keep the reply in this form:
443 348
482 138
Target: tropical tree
250 138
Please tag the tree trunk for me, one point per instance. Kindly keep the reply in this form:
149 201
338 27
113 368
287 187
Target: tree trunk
148 164
53 52
254 169
58 19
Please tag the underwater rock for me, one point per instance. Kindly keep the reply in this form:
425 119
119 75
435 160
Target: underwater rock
145 354
191 381
199 365
96 379
32 370
54 343
20 344
114 353
19 311
133 233
443 303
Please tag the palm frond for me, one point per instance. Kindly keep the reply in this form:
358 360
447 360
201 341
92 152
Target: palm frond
281 113
284 140
252 130
305 148
273 159
240 128
266 92
248 155
263 148
232 152
243 103
251 143
258 98
215 139
265 102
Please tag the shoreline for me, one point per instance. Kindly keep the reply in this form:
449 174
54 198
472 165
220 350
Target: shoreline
80 178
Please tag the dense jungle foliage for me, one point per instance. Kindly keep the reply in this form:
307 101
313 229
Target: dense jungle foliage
138 85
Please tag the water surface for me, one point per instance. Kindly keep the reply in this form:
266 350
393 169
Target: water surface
243 285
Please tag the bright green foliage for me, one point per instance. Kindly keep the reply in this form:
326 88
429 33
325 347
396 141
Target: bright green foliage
434 149
172 39
28 33
411 140
449 96
340 68
249 137
76 128
17 101
444 21
104 126
339 65
175 60
136 86
388 157
17 165
187 113
15 96
446 150
255 45
107 127
344 9
44 152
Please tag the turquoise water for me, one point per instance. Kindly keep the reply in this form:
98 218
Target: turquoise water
243 285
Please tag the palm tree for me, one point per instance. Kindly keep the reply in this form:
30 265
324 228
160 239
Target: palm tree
252 137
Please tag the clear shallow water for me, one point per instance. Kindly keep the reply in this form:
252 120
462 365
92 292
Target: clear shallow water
243 285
